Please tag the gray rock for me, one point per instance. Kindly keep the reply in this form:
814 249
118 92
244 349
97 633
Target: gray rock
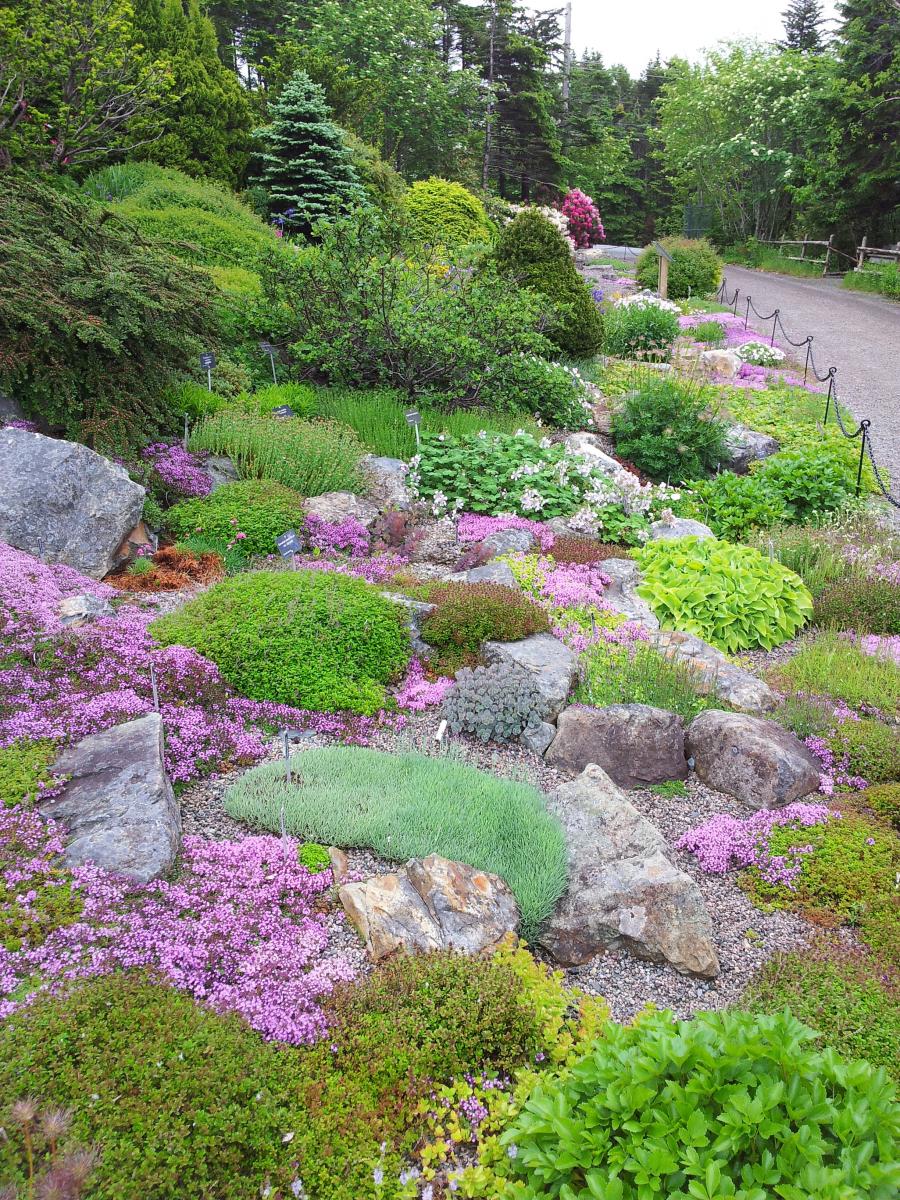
492 572
752 759
623 892
590 447
76 611
436 542
552 665
386 482
510 541
621 596
221 470
11 409
538 737
679 527
636 744
715 675
337 506
723 363
118 807
431 904
746 446
416 611
63 503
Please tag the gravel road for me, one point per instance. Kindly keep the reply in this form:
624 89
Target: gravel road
856 332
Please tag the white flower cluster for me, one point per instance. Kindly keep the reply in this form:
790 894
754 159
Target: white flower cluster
646 300
557 219
758 354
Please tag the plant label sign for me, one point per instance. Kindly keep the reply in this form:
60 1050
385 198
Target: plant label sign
662 252
268 348
413 417
207 361
288 544
283 410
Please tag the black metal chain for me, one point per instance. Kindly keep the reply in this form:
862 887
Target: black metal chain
881 487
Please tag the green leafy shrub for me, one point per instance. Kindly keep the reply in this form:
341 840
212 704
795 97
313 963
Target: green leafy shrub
881 278
494 704
641 331
865 605
98 323
312 639
261 510
731 596
809 481
839 991
467 614
552 392
695 269
848 877
727 1104
833 666
710 332
734 505
409 805
311 457
639 675
534 254
24 771
669 431
444 213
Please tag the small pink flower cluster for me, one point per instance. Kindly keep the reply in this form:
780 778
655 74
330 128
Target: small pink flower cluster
238 931
885 646
348 536
472 527
19 423
724 842
585 226
178 470
416 693
380 568
571 585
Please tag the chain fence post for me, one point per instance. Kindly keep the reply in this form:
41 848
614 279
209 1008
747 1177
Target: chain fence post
831 374
808 353
747 314
864 427
775 316
737 292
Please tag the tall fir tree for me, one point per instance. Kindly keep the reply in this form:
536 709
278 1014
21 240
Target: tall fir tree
305 164
803 21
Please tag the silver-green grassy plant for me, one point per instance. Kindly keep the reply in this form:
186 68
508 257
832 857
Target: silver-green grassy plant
408 805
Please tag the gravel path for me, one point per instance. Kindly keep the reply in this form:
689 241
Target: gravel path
856 332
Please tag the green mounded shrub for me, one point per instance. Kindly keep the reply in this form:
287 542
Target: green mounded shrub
727 1104
669 431
195 400
311 639
695 269
444 213
833 666
841 992
314 857
639 675
311 457
871 747
734 505
639 331
731 596
184 1102
409 805
864 605
25 767
261 510
532 252
848 877
712 333
552 392
467 614
809 480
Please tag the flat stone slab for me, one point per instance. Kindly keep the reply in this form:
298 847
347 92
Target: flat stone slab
119 807
552 665
621 596
335 507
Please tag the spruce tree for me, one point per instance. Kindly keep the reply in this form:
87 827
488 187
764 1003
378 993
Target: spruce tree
803 21
306 167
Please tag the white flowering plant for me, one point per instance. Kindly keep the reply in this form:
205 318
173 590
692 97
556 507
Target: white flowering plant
645 300
503 474
555 393
758 354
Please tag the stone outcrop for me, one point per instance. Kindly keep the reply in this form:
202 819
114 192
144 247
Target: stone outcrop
621 596
386 482
76 611
338 506
754 760
722 363
431 904
417 611
509 541
679 527
635 744
590 447
623 891
118 806
552 665
436 542
221 470
714 674
64 503
492 572
746 446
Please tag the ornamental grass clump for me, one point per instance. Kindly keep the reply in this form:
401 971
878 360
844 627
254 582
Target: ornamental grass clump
639 674
310 639
409 805
831 665
731 596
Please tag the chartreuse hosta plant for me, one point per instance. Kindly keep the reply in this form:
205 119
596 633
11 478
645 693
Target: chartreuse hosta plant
731 596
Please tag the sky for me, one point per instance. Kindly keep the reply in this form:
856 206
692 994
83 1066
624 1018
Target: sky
631 31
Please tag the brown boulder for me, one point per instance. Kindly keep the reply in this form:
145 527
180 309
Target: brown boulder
635 744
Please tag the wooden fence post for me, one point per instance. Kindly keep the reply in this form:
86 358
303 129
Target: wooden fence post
861 251
663 278
827 255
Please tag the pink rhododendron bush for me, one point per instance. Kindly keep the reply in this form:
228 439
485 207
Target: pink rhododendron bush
585 226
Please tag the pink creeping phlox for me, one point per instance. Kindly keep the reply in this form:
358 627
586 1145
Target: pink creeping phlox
178 469
472 527
237 932
416 693
724 842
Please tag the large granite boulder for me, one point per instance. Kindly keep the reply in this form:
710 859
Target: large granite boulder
723 364
492 572
435 542
623 891
386 482
590 447
716 675
552 665
746 446
118 806
637 745
679 527
335 507
509 541
64 503
431 904
621 595
752 759
221 470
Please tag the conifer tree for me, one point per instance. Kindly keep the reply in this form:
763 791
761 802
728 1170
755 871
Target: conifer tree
305 164
803 21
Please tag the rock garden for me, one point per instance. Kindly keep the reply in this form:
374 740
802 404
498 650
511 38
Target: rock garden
467 766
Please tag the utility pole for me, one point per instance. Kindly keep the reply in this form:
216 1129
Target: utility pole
567 58
489 124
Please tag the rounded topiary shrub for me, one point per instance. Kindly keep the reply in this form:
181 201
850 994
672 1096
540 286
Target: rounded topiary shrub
468 614
695 269
312 639
532 251
445 213
250 514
